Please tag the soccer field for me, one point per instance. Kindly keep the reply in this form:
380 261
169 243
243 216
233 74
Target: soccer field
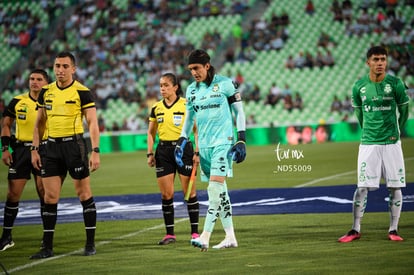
268 244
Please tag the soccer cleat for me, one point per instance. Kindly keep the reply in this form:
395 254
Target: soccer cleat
6 243
167 240
226 243
89 250
393 236
42 254
198 243
350 236
195 235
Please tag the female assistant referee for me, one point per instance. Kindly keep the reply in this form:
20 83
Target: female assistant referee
167 118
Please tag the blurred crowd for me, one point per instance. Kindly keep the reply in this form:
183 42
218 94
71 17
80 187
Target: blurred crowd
118 47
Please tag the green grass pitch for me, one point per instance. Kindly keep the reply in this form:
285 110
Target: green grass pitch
268 244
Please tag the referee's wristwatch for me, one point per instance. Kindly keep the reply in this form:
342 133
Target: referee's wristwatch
96 150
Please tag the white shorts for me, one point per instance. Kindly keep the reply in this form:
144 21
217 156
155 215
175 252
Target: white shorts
381 161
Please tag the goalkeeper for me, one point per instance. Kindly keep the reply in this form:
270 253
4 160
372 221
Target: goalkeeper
211 98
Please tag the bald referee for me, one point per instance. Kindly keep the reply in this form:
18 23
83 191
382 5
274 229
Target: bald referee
21 112
167 118
381 106
63 105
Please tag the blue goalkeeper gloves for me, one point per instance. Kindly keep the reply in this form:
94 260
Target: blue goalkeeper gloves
238 151
179 151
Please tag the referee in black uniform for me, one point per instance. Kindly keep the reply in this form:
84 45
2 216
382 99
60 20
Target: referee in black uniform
20 112
63 105
167 118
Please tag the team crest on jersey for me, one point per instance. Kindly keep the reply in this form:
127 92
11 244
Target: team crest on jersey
387 88
177 120
216 88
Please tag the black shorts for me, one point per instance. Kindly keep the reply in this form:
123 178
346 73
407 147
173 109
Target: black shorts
165 161
66 154
22 167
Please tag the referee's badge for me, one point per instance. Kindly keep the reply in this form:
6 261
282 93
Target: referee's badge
177 120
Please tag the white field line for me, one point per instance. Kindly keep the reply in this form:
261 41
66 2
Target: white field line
37 262
334 176
79 251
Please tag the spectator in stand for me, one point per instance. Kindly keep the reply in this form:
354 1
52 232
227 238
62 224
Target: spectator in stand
300 60
101 123
288 103
347 10
309 60
255 94
275 94
347 105
290 63
310 7
319 59
298 101
251 121
326 41
239 78
286 91
336 9
336 105
277 43
328 59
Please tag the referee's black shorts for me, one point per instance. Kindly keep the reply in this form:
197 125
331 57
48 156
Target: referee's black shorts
22 167
165 161
66 154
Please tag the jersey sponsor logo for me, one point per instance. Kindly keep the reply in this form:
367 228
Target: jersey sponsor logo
160 119
48 107
381 108
387 98
363 90
376 108
215 95
210 106
177 119
21 117
22 109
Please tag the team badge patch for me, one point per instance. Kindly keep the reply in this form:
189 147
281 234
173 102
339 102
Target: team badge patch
216 88
177 119
387 89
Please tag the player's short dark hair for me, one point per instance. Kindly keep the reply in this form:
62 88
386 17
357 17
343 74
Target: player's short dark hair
377 50
175 81
42 72
67 54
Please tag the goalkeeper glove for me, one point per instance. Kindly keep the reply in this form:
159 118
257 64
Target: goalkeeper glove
179 151
238 151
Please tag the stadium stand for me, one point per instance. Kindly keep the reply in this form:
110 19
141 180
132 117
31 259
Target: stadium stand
124 46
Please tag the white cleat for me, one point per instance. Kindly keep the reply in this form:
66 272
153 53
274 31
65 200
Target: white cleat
198 243
226 243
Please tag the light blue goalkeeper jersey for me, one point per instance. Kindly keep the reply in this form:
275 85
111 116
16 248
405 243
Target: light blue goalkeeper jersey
212 111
